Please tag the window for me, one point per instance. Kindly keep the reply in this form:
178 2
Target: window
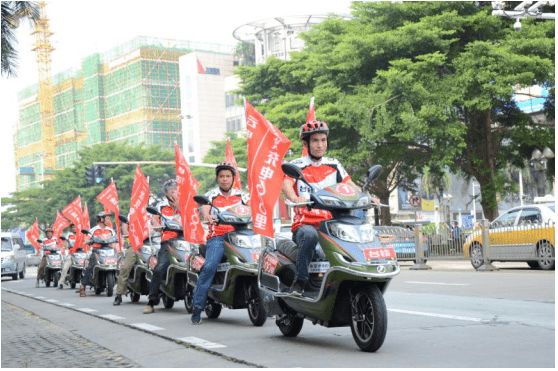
6 244
507 219
530 216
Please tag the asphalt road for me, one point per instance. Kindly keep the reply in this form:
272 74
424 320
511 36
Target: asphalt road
449 316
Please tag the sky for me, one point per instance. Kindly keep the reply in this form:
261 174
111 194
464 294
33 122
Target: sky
82 28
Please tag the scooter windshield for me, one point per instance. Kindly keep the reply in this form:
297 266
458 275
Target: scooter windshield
341 196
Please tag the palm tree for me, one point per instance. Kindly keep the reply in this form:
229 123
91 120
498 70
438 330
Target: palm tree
12 13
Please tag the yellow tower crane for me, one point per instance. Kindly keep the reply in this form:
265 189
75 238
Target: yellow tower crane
44 48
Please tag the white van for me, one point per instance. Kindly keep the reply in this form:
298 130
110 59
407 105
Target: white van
13 256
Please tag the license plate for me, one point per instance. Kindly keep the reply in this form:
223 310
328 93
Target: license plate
56 262
381 253
318 267
197 264
270 264
110 260
81 261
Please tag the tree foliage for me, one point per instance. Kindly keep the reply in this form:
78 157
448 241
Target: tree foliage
411 85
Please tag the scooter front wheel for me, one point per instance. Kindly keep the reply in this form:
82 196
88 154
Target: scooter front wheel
189 301
135 297
369 318
256 310
289 324
168 302
212 309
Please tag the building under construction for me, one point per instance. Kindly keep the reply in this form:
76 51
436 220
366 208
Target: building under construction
130 93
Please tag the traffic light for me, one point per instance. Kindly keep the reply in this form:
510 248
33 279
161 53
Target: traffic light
90 175
100 174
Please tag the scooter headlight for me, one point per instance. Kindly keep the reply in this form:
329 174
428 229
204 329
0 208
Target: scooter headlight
352 233
249 242
109 252
145 249
182 245
363 202
331 201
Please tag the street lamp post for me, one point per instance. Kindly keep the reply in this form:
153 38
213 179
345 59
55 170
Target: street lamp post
538 164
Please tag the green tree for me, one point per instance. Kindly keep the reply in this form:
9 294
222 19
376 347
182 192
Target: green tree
24 206
415 84
12 14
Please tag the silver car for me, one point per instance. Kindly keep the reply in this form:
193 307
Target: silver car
13 256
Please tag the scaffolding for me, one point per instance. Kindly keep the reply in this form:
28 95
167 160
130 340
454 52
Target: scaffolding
129 94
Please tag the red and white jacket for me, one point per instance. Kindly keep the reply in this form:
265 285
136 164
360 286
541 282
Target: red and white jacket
222 203
324 173
104 232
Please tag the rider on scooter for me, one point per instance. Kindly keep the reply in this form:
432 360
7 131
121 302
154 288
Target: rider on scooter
169 208
71 236
99 230
320 172
48 243
222 196
129 261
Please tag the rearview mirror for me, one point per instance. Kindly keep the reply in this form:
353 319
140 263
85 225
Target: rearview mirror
202 200
374 173
123 218
62 238
40 241
152 210
85 231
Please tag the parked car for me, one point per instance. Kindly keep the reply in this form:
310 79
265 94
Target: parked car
31 257
402 240
523 233
13 256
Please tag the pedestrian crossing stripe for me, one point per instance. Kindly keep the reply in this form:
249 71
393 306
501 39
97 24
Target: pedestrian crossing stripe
112 316
146 326
201 343
88 310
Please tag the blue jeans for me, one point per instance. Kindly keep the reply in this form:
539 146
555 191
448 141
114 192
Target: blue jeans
215 248
163 262
306 238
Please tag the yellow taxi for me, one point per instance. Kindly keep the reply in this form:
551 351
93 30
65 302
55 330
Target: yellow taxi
523 233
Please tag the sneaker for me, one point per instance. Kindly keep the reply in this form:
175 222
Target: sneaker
148 310
82 291
60 287
117 300
297 288
196 316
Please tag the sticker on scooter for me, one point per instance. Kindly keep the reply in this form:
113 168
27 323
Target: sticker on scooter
152 262
345 190
381 253
318 267
110 260
197 264
270 264
223 267
256 255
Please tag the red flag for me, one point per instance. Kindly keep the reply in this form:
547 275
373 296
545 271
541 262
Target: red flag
310 117
74 213
229 157
86 222
33 235
200 67
59 224
189 213
137 223
266 148
109 198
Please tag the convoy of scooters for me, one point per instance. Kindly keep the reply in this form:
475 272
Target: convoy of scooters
348 275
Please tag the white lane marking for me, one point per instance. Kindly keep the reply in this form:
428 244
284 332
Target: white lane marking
201 343
448 316
438 283
88 310
28 294
52 301
68 304
147 326
40 297
112 316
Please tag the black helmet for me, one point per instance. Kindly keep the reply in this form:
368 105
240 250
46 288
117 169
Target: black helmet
102 214
313 127
225 166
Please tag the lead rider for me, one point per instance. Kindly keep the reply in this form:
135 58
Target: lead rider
320 172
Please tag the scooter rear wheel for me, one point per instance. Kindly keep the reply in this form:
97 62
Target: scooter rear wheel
212 309
110 284
289 324
168 302
369 319
189 300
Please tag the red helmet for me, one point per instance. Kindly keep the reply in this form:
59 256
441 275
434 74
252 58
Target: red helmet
49 229
313 127
225 166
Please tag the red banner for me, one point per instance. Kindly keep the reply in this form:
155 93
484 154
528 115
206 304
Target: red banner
74 213
33 235
86 222
189 213
266 148
59 224
229 157
137 223
310 117
109 198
